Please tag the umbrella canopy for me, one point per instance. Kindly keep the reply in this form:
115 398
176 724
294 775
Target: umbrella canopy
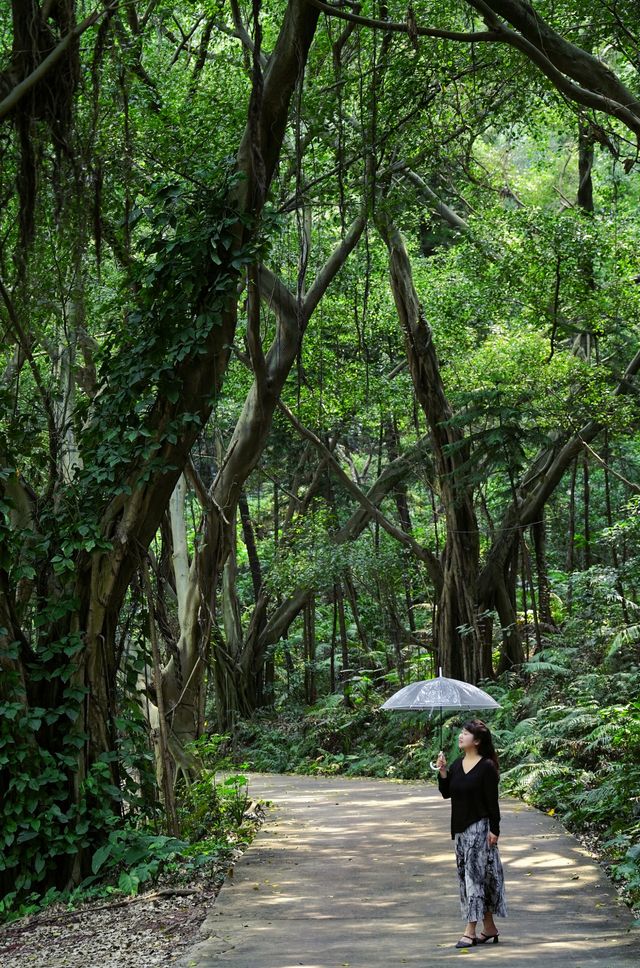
440 693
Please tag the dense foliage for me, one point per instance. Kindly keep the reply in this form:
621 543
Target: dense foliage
566 734
318 373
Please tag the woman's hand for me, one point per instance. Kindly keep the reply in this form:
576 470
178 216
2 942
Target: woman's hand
441 763
492 840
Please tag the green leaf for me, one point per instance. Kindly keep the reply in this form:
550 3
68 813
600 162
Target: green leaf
128 883
100 857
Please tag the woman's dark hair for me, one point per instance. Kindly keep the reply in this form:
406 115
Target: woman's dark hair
481 731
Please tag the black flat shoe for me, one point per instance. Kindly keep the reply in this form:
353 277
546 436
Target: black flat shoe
472 941
486 937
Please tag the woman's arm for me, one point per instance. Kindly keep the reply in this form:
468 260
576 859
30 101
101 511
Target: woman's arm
443 776
443 785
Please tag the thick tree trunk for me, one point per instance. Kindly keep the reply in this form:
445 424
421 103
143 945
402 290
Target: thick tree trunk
467 589
141 492
246 655
459 641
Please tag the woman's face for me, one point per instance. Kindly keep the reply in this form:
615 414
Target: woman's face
467 741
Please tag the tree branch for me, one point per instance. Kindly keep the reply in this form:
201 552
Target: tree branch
630 484
19 91
444 211
254 423
579 75
423 554
394 27
333 264
396 471
562 62
546 471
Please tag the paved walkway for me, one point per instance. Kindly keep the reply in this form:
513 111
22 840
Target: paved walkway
361 873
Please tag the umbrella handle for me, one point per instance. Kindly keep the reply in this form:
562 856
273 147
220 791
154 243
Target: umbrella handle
433 765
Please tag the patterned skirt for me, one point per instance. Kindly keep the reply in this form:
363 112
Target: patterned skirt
480 875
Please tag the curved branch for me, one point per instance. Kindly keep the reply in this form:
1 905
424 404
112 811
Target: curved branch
585 68
422 553
577 93
573 71
568 67
394 27
547 470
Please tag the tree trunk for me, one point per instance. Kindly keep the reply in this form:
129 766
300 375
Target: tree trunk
310 689
586 491
571 544
539 536
131 507
527 578
355 611
332 646
264 690
459 641
402 505
345 667
164 765
400 491
614 553
512 653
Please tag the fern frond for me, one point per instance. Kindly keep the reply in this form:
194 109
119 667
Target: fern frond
630 635
576 721
527 776
525 725
541 665
593 798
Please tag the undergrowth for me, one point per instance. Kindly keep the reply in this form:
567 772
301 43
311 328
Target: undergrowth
567 739
214 824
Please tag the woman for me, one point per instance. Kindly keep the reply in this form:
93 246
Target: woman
472 785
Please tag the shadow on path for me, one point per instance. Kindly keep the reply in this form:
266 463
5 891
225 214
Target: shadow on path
361 873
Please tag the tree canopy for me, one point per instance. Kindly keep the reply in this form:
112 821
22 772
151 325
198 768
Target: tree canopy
320 341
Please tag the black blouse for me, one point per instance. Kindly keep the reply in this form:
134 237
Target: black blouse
474 795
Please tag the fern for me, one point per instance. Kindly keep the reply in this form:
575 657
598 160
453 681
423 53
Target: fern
527 776
328 703
597 797
626 636
602 738
536 666
525 725
575 721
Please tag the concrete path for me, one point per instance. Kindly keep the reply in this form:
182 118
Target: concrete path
361 873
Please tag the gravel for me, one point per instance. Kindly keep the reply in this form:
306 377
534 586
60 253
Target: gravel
152 929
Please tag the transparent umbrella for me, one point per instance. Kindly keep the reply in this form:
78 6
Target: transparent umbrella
440 693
